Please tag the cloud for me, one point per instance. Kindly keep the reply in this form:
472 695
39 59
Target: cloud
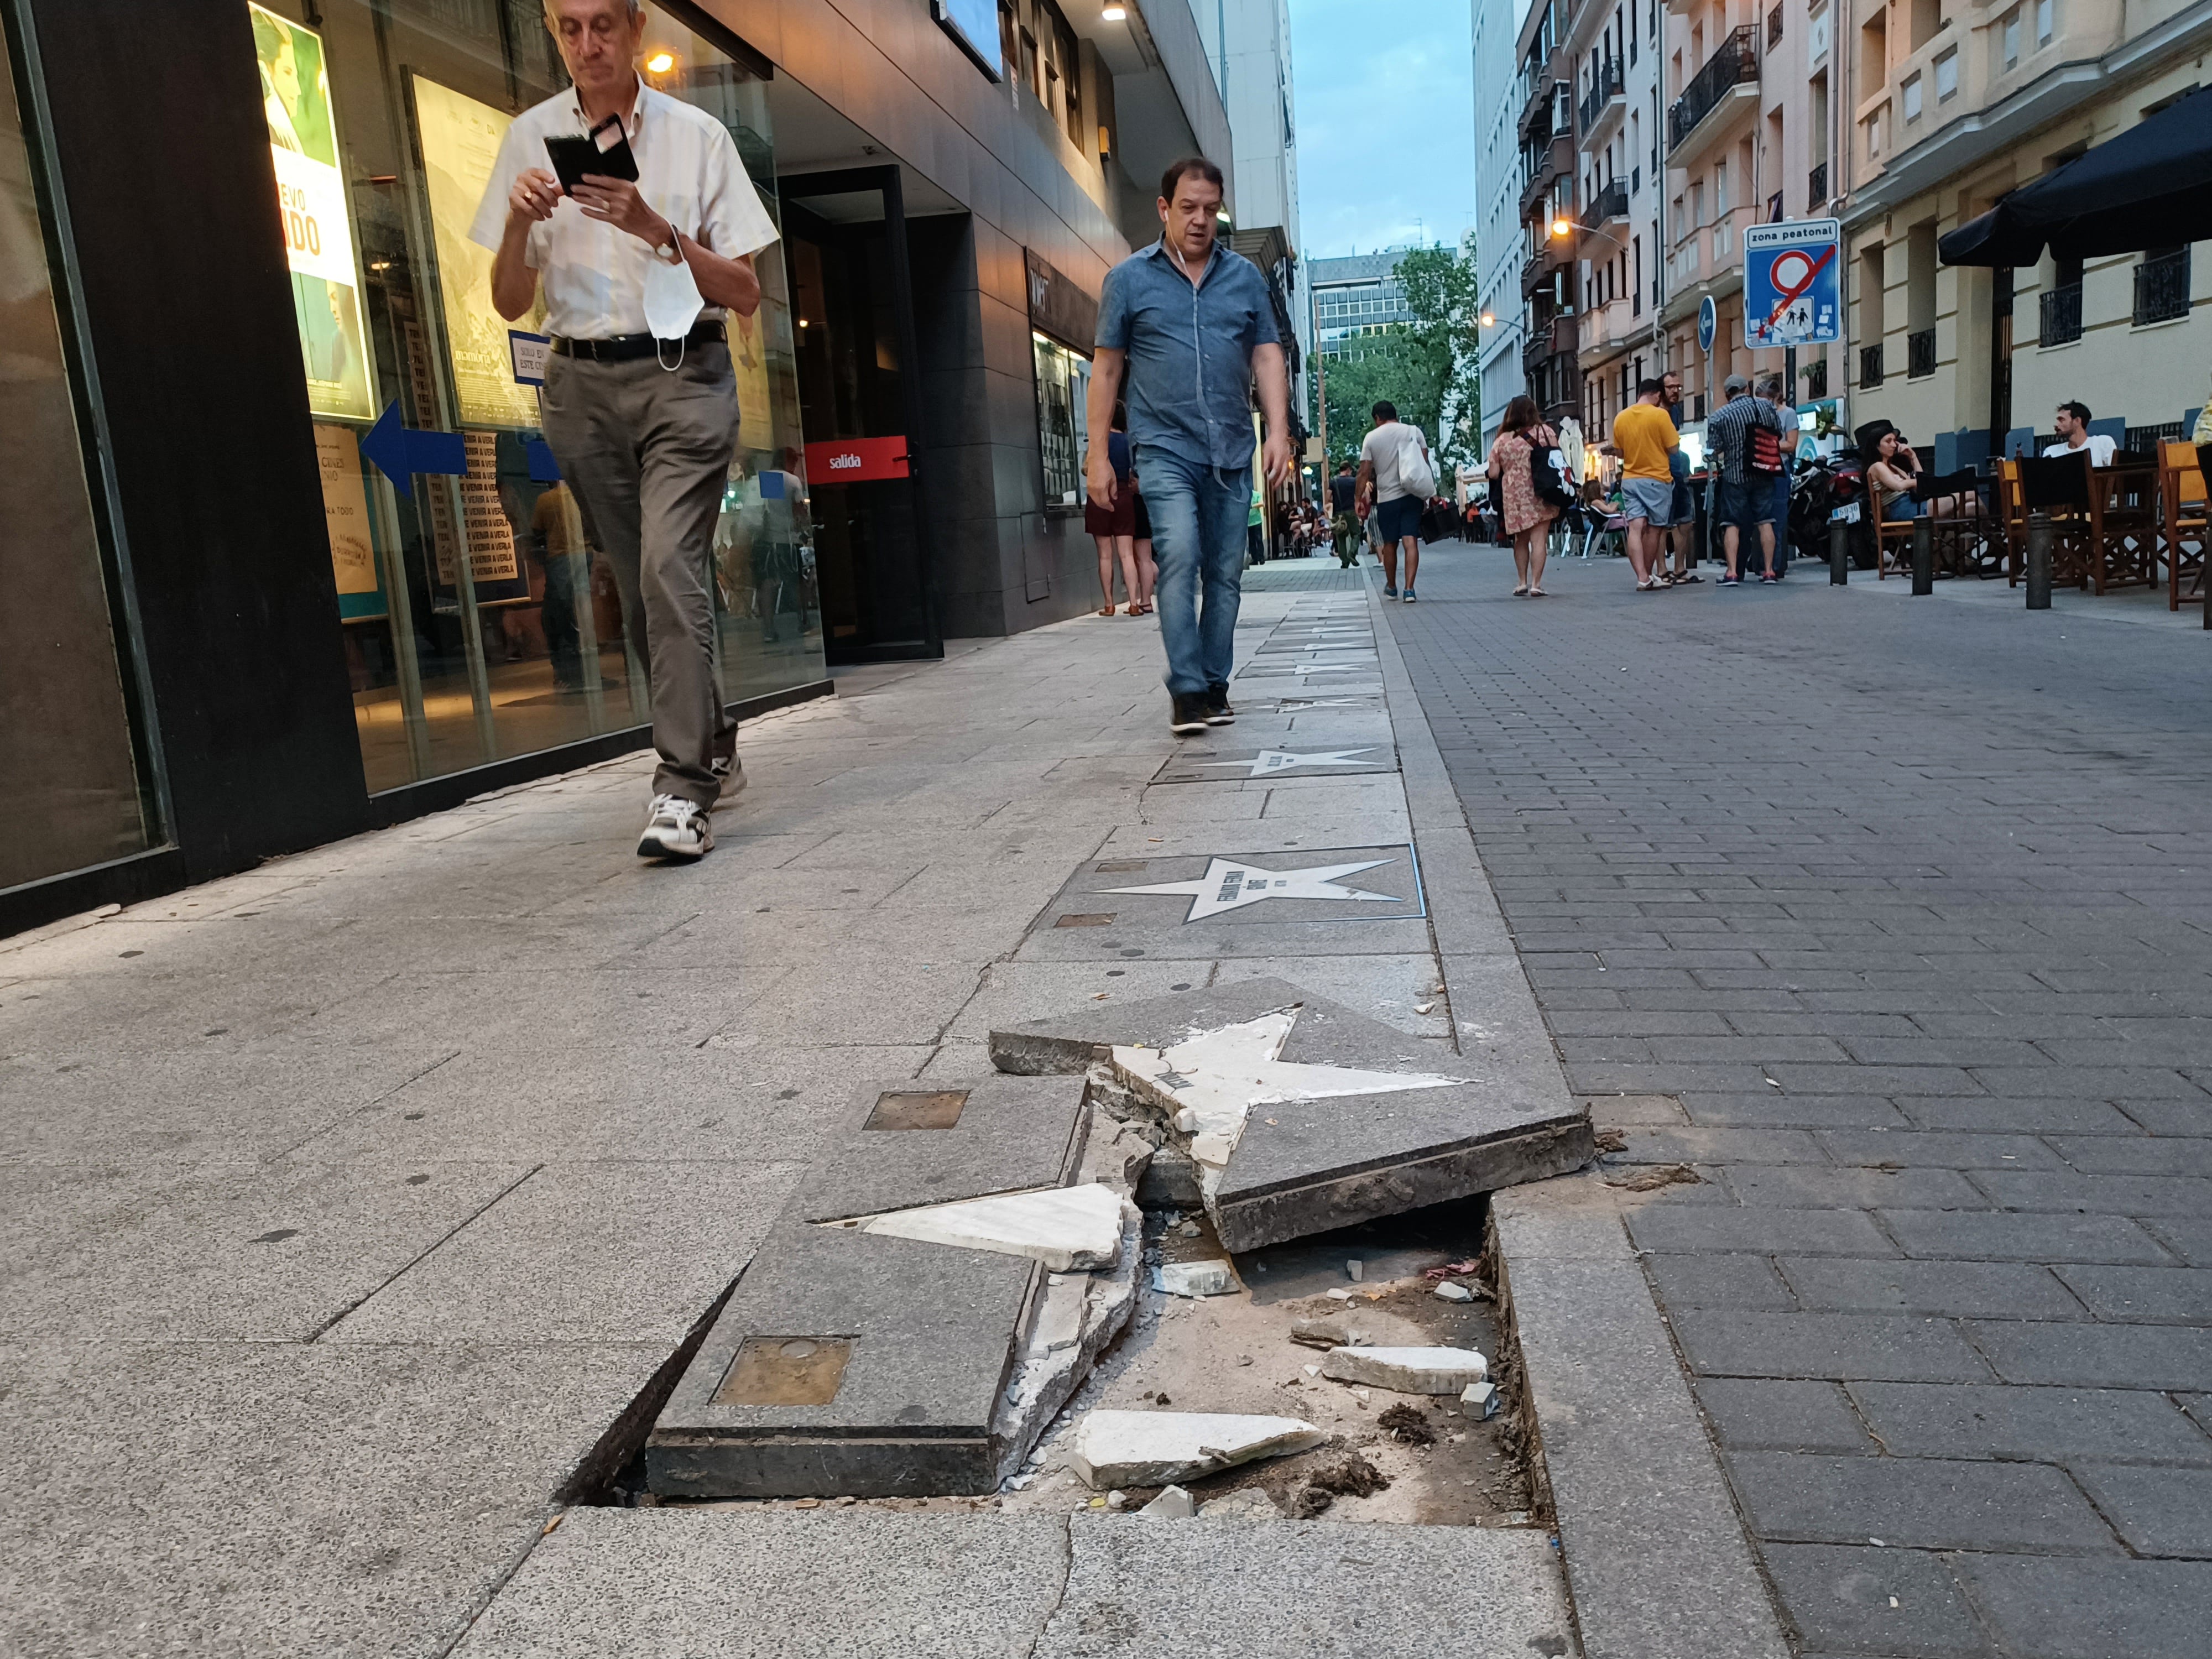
1385 108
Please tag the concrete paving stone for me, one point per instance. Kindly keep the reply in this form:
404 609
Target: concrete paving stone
2154 1296
1919 1150
1774 1109
2045 1425
2159 1511
583 1253
2013 1117
1015 991
2097 1356
2111 1194
1707 1144
1994 1236
1796 1186
1390 989
1719 1281
92 1018
1987 1290
872 997
1804 1232
613 1583
1844 1346
571 1008
2190 1241
1770 1414
1012 1134
2143 1155
1899 1602
283 1499
1917 1503
1137 1589
263 1253
2044 1608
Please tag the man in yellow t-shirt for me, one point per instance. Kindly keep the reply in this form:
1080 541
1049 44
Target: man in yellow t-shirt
1645 436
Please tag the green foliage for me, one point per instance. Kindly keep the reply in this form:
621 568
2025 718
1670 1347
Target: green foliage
1427 368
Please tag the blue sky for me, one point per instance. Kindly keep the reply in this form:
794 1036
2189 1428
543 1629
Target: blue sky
1385 91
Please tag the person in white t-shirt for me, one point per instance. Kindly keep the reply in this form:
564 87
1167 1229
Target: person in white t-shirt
2071 424
1391 461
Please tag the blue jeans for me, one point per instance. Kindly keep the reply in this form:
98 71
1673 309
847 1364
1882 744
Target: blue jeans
1198 540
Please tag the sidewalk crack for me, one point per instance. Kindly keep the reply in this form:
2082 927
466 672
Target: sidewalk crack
1066 1535
321 1330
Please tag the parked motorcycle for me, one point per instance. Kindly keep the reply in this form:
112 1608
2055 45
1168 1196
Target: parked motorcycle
1821 489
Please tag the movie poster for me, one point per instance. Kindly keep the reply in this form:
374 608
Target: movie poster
461 144
345 510
311 196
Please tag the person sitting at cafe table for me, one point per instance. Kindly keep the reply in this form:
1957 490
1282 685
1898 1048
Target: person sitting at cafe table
1894 471
2071 422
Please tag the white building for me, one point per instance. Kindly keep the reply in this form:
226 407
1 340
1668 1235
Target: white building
1498 238
1248 43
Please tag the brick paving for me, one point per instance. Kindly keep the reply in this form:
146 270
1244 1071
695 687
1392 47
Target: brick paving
1894 922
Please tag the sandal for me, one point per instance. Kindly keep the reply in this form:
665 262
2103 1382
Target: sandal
1520 592
1108 611
1132 610
1538 593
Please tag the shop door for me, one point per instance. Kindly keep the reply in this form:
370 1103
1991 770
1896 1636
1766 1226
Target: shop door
859 399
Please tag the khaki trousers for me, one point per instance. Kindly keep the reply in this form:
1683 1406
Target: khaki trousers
647 451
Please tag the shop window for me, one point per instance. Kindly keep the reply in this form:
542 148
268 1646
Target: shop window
479 619
1063 381
71 792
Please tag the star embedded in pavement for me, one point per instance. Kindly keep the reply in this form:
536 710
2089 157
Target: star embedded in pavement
1233 883
1271 761
1213 1079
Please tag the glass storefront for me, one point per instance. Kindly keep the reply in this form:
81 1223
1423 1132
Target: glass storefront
478 624
70 786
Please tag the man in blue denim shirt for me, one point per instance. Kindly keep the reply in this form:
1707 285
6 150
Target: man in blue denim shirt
1192 324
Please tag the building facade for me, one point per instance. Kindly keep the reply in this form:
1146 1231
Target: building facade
1954 104
1499 240
1547 197
1249 47
1614 55
286 554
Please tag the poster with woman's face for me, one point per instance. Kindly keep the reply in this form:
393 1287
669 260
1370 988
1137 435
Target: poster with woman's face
311 197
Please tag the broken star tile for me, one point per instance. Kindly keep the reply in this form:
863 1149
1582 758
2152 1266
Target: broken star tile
1408 1370
1451 1292
1065 1228
1193 1278
1154 1449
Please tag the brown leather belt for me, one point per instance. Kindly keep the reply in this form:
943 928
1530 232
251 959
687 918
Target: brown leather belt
626 347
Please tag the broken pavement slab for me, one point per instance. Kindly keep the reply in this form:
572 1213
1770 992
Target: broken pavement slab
1153 1448
1415 1126
1408 1370
1067 1227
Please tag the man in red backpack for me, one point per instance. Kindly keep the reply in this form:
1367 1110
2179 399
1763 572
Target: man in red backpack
1745 436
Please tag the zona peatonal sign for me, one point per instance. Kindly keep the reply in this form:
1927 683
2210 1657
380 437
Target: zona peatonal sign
1792 293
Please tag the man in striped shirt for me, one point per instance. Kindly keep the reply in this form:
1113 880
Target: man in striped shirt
1746 498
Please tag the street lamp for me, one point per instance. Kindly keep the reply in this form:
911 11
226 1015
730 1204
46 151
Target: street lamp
1490 319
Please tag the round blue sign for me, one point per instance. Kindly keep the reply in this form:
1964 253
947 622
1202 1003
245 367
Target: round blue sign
1709 323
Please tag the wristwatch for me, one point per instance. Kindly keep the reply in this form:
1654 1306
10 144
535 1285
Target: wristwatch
666 252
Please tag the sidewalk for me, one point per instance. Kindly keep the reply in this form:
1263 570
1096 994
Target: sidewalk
350 1204
1881 935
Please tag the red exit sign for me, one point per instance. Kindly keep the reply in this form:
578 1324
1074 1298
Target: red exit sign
855 460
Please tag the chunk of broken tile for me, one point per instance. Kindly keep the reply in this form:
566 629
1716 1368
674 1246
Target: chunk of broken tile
1193 1278
1156 1448
1065 1228
1480 1398
1249 1504
1172 1504
1451 1292
1408 1370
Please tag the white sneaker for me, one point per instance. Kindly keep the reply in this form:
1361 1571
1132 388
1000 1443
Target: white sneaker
729 772
675 829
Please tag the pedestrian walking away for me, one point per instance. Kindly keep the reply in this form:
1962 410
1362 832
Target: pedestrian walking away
1749 462
1646 438
1395 470
640 403
1113 525
1685 529
1344 517
1771 391
1189 324
1528 518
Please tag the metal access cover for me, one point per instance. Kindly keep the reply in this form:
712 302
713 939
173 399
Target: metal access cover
785 1370
940 1110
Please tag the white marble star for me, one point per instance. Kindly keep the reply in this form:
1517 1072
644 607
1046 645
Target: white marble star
1233 883
1069 1229
1271 761
1211 1080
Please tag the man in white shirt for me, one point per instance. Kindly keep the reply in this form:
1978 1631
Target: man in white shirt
2071 424
641 404
1392 461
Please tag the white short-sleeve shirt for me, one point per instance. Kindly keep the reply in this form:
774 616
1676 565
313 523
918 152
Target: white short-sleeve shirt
2101 447
1383 448
688 172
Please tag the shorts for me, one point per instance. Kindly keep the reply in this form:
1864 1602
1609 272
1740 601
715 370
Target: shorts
1749 504
1686 505
1396 519
1649 499
1119 519
1898 511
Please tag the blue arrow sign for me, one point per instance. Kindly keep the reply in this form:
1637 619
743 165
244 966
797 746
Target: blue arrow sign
1709 323
399 452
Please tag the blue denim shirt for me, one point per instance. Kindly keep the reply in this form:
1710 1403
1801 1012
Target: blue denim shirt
1190 350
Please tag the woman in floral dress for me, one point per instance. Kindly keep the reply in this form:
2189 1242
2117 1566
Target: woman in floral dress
1528 518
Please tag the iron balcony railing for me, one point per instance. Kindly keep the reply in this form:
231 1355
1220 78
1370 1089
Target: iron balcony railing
2061 319
1816 380
1920 354
1774 27
2161 287
1610 203
1607 84
1869 366
1736 62
1816 186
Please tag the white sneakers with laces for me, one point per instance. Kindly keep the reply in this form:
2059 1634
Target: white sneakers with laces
675 829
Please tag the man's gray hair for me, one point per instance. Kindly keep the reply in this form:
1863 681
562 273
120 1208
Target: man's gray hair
1770 385
636 11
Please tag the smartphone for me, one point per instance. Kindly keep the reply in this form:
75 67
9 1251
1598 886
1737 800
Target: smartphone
604 151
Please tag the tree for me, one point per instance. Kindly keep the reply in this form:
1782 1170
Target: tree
1426 367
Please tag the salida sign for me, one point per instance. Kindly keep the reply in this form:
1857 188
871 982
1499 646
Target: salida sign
856 460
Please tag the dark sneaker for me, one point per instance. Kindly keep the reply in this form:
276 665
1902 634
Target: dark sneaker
1731 582
1186 715
1390 593
1217 711
1409 596
675 829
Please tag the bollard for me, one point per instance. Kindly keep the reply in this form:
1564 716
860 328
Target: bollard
1839 553
1923 557
2039 562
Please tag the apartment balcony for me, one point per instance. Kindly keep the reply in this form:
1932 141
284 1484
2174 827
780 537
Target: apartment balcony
1603 103
1608 330
2162 288
1816 187
1555 338
1553 255
1550 110
1610 205
1721 95
2060 319
1552 163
